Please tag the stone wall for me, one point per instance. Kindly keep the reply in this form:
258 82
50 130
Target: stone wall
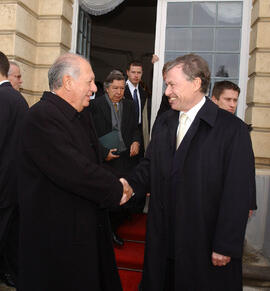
258 114
34 33
258 96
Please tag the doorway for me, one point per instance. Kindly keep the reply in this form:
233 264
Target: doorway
125 34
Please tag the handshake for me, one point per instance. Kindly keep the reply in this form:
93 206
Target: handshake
127 191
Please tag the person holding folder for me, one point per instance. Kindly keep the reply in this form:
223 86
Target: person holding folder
117 128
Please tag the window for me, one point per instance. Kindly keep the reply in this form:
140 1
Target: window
83 34
209 29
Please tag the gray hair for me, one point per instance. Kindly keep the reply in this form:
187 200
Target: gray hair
12 63
66 64
113 75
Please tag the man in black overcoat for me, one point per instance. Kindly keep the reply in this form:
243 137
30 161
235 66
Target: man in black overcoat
12 110
64 192
197 169
111 112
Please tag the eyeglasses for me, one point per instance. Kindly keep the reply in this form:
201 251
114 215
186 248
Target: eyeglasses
16 76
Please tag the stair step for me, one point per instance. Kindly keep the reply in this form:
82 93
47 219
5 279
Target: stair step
130 255
134 229
255 289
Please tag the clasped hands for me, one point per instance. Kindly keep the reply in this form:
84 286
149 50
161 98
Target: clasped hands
127 191
220 260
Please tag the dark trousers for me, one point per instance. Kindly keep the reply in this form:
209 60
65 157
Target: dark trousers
9 232
169 276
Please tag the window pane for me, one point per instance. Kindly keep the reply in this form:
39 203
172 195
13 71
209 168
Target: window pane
88 51
202 39
178 39
89 32
85 27
79 43
169 56
230 13
209 59
81 17
228 39
204 13
179 14
84 47
227 65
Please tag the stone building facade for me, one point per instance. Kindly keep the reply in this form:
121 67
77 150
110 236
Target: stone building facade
34 33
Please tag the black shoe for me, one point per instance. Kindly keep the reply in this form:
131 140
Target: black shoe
7 279
117 239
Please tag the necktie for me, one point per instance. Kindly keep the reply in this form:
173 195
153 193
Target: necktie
135 98
115 107
182 129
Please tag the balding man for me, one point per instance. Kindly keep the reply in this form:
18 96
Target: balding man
64 192
14 75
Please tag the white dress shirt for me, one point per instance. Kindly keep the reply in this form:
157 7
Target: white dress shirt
191 115
131 89
4 81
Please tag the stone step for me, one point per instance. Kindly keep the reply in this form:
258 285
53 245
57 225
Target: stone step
4 287
255 289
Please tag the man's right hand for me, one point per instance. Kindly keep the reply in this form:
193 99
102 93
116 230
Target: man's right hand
127 191
111 156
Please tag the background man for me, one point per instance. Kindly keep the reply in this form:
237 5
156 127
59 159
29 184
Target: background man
134 91
112 112
12 110
225 94
65 241
199 204
14 75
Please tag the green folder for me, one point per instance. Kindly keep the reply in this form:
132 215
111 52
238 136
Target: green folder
110 140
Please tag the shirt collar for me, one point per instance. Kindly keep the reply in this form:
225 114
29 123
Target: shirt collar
4 81
132 87
194 110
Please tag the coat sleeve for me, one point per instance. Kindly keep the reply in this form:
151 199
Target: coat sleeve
235 199
46 142
5 126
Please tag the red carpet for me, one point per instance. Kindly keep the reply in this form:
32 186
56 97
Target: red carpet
130 255
130 280
129 258
134 229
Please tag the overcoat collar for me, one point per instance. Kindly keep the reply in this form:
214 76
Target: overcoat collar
107 111
69 111
208 114
6 84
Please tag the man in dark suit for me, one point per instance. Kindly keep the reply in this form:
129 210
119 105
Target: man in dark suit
113 113
64 192
225 94
134 91
198 170
12 110
14 75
